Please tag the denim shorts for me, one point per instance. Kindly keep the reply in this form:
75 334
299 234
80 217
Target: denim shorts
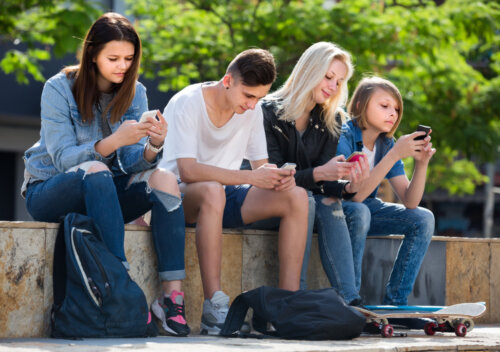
235 196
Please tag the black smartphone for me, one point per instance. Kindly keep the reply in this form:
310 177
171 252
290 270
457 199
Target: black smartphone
423 128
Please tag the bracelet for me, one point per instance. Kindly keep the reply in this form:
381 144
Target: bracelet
346 195
152 147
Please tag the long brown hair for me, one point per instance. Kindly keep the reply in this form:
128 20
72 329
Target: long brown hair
110 26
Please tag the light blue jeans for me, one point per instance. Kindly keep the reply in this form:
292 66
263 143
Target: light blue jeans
338 234
417 225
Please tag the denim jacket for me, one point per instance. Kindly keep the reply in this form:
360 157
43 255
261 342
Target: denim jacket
67 141
351 140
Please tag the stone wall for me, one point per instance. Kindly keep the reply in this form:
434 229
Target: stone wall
454 270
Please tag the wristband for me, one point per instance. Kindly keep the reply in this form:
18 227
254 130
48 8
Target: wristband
346 195
152 147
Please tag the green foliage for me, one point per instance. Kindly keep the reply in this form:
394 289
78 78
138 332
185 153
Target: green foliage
37 26
444 59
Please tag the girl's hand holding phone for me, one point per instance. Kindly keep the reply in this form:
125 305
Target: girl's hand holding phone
335 169
158 129
129 132
359 173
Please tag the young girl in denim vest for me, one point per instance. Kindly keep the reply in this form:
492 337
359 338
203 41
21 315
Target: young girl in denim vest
95 157
376 109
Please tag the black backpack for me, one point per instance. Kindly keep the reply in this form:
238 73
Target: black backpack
301 315
93 294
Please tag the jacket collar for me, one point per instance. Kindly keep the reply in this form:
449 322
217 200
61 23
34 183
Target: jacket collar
382 143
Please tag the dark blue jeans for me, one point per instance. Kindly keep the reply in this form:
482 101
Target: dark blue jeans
111 202
417 225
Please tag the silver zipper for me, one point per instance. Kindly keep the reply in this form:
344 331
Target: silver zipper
80 267
281 131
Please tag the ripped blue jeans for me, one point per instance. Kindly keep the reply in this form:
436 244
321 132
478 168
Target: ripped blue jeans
338 234
111 202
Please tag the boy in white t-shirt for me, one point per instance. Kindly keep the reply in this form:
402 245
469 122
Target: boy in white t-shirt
213 126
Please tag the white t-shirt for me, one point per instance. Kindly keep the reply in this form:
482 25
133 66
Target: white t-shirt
370 154
191 134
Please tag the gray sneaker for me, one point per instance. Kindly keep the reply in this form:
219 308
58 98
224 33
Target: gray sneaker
214 313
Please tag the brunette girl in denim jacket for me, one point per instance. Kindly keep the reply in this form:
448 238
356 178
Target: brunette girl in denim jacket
376 109
95 157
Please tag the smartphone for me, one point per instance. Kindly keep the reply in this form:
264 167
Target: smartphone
423 128
288 166
355 156
150 113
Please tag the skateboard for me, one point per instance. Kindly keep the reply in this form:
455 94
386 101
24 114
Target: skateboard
457 318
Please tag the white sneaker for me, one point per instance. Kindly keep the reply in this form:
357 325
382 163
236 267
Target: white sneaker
214 313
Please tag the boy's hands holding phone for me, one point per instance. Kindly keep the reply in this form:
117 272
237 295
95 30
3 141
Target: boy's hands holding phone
268 176
417 145
425 154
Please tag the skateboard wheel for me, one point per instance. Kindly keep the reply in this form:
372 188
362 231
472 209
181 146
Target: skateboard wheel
430 328
387 330
469 324
460 330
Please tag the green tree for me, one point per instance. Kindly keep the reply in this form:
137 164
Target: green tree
36 27
444 59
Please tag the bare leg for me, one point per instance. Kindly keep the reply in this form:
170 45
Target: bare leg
292 207
204 204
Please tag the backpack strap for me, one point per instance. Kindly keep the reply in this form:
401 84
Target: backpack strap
59 266
235 316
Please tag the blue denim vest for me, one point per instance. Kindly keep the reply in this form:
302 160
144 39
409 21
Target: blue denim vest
351 140
67 141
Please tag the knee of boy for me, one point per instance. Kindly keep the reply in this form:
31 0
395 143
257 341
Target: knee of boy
360 218
299 197
425 222
213 193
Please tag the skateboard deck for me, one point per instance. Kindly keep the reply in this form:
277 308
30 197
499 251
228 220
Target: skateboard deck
457 318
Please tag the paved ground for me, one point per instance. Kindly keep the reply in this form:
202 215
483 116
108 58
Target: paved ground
482 338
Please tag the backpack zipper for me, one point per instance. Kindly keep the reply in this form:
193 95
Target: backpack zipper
92 289
101 268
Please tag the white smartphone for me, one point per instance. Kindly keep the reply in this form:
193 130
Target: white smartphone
288 166
150 113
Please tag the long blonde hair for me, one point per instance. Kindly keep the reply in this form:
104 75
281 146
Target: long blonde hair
296 94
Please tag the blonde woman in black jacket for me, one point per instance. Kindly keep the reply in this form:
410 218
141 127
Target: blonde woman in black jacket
302 120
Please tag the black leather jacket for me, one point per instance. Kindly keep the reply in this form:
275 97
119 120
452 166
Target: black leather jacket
316 147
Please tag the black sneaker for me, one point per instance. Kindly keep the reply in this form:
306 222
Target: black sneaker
357 302
170 311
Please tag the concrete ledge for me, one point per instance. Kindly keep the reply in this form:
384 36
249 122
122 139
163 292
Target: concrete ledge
454 270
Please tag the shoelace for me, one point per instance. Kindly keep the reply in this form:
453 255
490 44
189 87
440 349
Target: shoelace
179 308
221 309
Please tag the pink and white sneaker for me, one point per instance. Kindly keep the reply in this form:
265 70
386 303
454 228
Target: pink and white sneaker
170 311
